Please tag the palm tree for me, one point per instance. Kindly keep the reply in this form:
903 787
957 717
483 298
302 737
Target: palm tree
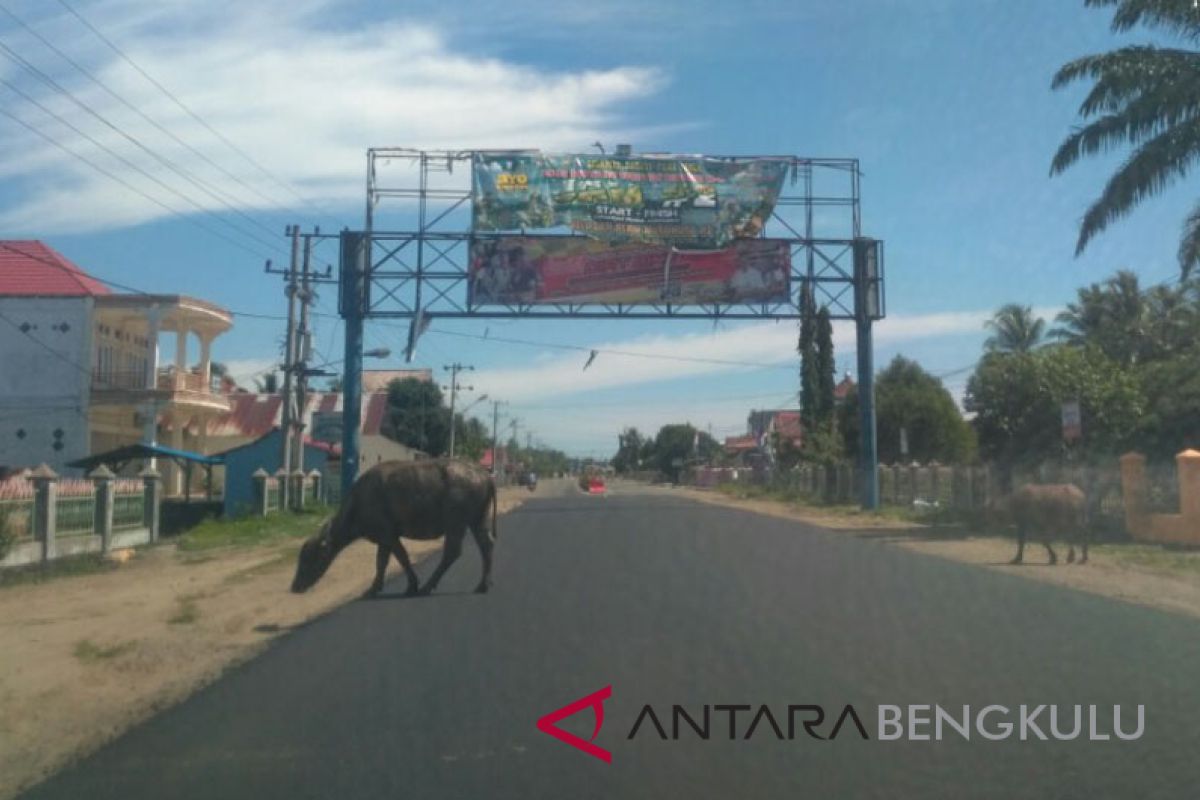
1144 96
1014 330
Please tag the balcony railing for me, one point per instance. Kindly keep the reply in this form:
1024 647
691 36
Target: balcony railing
167 380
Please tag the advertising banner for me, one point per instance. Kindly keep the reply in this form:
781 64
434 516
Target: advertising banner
698 203
576 269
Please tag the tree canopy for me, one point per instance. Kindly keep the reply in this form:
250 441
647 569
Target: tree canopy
910 399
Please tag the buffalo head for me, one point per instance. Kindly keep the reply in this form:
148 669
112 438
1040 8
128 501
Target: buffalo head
315 557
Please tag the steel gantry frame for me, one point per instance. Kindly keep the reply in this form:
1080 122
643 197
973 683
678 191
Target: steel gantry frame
411 261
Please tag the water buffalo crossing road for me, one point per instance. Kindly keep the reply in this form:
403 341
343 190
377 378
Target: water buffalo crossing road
716 612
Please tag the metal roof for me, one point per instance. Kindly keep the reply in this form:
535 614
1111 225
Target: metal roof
131 452
29 268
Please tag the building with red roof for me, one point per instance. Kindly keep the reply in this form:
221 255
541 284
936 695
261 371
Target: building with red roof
82 371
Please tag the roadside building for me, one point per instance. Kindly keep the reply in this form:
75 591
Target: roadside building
81 365
251 416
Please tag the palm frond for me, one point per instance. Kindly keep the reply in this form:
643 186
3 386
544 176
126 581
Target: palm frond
1189 244
1154 167
1176 16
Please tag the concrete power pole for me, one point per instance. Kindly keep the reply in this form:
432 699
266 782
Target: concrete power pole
495 436
303 356
454 369
287 413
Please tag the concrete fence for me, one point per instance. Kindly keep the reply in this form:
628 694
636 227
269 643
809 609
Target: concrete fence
960 488
1179 526
303 489
44 517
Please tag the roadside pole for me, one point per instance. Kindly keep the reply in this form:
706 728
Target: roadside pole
289 361
355 252
454 369
303 356
866 307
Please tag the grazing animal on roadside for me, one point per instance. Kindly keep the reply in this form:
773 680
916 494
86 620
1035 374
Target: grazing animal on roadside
412 499
1047 510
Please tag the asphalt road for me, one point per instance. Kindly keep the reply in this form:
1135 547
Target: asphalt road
673 602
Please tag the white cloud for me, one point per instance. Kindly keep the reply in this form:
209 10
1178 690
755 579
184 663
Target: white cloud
303 96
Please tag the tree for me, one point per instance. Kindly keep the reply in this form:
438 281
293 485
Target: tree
416 417
1145 97
1110 316
826 368
1017 400
1014 330
472 438
677 445
1131 325
1171 421
630 444
910 399
807 347
268 383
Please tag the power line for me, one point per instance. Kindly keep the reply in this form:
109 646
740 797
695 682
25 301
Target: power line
170 165
625 353
187 110
107 173
165 131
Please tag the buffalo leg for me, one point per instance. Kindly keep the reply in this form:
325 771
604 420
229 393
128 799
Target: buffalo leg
450 553
1020 545
1050 551
382 554
1071 553
1084 547
410 573
483 538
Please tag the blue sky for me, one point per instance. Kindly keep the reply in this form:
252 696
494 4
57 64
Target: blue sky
947 104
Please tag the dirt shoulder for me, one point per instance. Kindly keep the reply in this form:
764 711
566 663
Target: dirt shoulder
85 657
1148 575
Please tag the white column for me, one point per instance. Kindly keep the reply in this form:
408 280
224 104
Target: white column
176 442
181 334
153 318
205 360
150 410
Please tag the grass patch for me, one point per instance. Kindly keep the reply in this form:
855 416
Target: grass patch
186 613
89 652
1156 557
253 530
70 566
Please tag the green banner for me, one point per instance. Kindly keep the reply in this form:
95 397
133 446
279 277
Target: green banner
699 203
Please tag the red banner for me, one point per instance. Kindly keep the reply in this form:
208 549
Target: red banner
559 269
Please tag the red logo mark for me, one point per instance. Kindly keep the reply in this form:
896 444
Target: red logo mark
595 700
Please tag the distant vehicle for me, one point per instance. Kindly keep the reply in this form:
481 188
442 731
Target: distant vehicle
531 481
596 484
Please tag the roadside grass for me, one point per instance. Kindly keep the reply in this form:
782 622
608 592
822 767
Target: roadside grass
68 567
89 652
927 516
186 611
251 531
1160 558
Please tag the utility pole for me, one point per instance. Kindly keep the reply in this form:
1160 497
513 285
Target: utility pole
454 369
303 356
515 424
495 436
289 362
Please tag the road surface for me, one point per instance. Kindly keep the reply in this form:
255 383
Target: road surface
674 602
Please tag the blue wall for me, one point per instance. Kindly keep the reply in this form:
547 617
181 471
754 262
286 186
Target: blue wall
241 463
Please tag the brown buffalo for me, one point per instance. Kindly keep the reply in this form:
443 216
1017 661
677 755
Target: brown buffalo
1047 510
411 499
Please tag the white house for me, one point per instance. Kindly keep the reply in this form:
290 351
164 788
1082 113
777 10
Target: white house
80 365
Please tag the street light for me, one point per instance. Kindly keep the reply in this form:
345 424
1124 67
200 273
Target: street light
475 402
